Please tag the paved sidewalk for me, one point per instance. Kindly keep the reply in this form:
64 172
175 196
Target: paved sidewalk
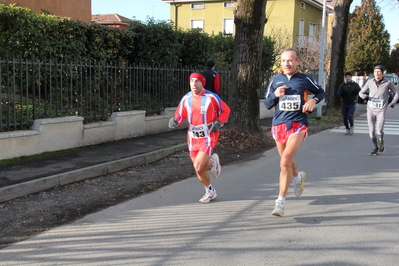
32 174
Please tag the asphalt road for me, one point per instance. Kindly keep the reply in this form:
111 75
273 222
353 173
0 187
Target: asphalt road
348 215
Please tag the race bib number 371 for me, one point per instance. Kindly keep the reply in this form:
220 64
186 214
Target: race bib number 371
290 103
376 103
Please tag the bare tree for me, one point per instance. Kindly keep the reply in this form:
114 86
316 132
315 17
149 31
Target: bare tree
338 49
250 20
282 40
310 56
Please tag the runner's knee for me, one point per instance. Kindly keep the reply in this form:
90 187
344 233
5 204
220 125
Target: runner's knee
199 167
286 161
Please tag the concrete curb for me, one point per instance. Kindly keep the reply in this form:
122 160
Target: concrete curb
33 186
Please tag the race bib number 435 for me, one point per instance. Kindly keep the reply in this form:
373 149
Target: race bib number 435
290 103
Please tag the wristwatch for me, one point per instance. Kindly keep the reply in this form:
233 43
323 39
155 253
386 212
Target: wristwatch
316 99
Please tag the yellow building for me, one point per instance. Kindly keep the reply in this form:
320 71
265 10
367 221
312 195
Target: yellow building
299 21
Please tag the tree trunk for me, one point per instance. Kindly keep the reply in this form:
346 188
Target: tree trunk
338 52
250 20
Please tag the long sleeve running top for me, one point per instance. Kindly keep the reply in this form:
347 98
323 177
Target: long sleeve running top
288 108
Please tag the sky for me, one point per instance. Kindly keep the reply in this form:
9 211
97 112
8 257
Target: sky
140 9
159 10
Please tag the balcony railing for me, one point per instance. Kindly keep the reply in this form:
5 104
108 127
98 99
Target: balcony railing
304 41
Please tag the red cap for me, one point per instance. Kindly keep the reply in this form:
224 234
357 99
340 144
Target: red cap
198 76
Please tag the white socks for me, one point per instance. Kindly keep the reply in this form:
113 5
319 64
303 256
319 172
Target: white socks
210 188
280 198
298 178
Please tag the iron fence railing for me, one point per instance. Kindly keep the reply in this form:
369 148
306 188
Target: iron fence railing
33 89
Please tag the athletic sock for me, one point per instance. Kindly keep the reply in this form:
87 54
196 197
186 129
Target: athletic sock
210 188
281 198
297 178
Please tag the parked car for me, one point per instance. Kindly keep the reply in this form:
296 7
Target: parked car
391 77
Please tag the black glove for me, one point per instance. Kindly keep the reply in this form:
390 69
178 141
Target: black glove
215 125
172 123
392 105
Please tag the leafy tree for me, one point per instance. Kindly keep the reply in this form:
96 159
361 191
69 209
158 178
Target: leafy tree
18 35
24 33
107 44
155 42
63 38
394 60
268 56
223 50
196 47
368 40
250 20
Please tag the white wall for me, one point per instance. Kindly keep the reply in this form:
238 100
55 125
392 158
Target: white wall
55 134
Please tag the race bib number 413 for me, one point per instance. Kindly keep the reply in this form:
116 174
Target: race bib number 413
199 131
290 103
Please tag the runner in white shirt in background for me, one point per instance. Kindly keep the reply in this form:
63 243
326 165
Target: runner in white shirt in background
378 102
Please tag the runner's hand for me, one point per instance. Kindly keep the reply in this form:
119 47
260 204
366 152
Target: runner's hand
309 106
280 91
172 123
392 105
215 126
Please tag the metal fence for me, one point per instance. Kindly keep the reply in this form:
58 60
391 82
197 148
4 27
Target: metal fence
33 89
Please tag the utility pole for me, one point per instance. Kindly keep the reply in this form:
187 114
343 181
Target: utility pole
321 60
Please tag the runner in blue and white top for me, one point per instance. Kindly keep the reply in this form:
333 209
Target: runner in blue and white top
287 94
289 107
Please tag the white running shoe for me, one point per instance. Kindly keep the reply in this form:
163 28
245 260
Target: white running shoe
278 208
208 197
298 186
216 168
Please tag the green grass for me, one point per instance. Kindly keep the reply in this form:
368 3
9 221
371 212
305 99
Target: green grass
332 118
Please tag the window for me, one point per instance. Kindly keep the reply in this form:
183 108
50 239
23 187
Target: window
228 4
312 33
197 6
301 37
228 26
301 26
302 5
197 24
